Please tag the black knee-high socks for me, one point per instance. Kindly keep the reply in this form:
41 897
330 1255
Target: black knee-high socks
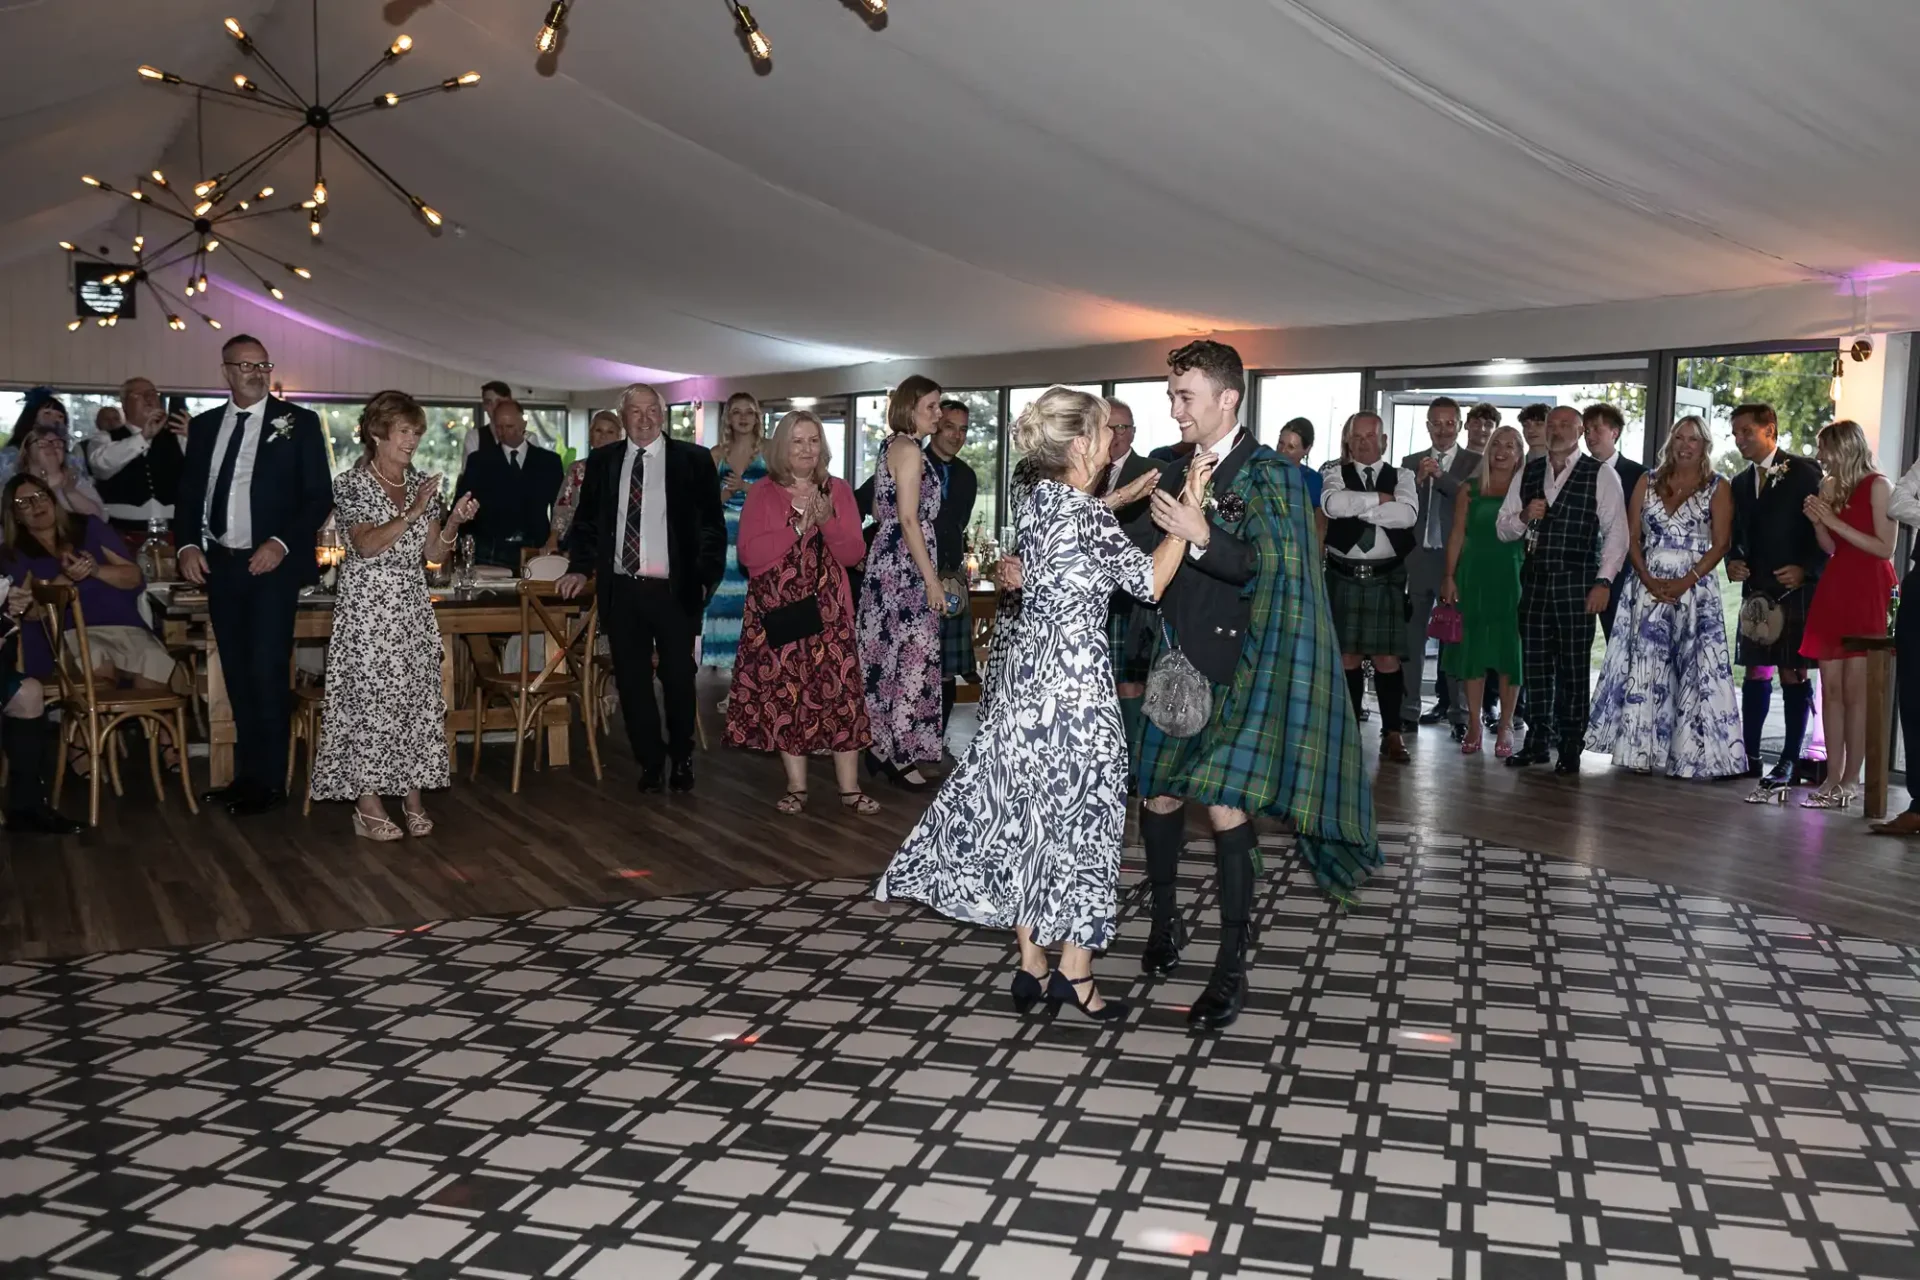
1756 699
1233 859
25 744
1798 704
1390 692
1163 834
1357 689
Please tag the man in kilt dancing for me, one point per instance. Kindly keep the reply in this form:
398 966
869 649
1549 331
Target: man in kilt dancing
1569 509
1371 509
1248 609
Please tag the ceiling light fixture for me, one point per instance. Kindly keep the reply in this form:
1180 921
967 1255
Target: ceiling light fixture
757 43
556 20
320 115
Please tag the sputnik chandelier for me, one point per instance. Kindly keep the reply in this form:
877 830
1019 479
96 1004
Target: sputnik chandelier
207 230
320 116
758 46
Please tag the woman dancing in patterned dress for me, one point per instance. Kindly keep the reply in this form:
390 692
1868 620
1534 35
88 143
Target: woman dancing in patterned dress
1026 831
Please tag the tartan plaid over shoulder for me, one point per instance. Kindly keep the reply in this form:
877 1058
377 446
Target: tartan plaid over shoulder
1283 739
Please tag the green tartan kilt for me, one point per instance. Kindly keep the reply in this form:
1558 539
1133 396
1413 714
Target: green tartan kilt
1132 629
1369 614
956 646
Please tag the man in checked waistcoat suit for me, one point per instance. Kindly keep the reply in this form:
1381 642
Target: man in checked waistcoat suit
1569 509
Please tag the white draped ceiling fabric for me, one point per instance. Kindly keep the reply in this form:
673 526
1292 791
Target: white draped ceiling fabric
991 176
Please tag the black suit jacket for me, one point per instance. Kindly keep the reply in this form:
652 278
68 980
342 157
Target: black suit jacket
1206 604
1131 468
956 510
1771 531
512 502
292 489
696 525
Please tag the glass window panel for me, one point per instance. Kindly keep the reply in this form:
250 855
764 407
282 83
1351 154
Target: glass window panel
870 432
1326 400
1153 424
1020 397
683 422
1798 384
1409 409
982 452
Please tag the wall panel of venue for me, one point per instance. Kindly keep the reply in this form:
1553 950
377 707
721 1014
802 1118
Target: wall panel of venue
35 347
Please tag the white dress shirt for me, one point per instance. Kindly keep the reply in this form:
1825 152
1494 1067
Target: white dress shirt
653 509
1608 504
107 457
1342 503
239 536
1218 451
1904 505
517 456
1760 468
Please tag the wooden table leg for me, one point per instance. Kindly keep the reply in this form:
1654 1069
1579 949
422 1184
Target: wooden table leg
1879 729
221 733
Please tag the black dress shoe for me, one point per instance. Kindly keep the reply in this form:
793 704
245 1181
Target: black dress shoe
1781 775
1531 752
653 777
256 800
220 796
43 821
1568 763
1162 955
1226 992
1434 716
681 779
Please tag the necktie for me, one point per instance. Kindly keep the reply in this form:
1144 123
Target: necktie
630 536
1431 538
223 483
1759 481
513 457
1367 534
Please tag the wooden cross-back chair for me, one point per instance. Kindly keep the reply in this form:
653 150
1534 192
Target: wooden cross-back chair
566 675
93 713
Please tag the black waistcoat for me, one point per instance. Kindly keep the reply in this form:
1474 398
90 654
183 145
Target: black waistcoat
1343 533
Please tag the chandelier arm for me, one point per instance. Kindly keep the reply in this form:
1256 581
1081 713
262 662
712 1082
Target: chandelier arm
237 181
174 261
154 253
365 76
241 258
255 97
175 197
274 71
368 160
234 215
361 108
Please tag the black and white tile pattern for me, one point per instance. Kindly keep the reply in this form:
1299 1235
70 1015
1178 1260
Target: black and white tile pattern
1499 1065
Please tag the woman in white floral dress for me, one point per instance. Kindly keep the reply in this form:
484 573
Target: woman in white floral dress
383 731
1025 832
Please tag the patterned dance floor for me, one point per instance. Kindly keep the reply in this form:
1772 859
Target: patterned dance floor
1497 1065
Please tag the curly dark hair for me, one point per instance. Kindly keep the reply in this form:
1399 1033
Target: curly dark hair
1218 361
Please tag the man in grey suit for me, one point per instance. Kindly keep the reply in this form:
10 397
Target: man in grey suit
1439 472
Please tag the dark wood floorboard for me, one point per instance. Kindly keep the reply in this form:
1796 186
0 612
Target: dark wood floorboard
152 875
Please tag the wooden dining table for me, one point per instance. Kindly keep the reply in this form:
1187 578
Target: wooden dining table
491 609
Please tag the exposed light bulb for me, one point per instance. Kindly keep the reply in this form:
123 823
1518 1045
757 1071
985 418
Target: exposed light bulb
425 210
200 210
264 193
388 100
89 179
212 245
243 206
189 289
278 296
67 245
874 7
1839 366
549 38
159 76
233 29
757 43
211 322
74 324
241 82
204 188
471 77
137 195
139 242
158 177
113 320
101 322
302 272
402 43
313 227
320 191
307 204
201 283
175 322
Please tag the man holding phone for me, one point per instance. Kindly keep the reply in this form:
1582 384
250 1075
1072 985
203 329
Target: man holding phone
137 464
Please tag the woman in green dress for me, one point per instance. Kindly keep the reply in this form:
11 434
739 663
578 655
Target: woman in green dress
1483 582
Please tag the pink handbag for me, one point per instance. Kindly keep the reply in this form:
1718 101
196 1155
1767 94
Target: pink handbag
1445 624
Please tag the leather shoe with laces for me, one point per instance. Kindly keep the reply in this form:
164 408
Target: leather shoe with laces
1531 752
1162 954
256 800
653 777
1219 1005
681 779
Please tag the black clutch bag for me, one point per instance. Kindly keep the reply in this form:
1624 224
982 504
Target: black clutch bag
791 622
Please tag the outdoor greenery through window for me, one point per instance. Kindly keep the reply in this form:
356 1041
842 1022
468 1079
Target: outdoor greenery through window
1798 384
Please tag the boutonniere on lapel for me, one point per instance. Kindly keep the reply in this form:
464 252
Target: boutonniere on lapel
1778 471
1229 506
282 426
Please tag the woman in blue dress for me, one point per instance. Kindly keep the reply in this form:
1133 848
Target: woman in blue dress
738 460
1665 702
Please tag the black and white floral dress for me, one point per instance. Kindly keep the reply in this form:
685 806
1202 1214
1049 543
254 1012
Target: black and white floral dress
384 726
1027 829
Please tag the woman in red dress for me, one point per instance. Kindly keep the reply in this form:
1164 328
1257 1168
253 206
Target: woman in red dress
799 534
1850 519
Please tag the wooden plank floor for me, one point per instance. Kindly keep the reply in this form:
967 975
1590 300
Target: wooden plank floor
151 875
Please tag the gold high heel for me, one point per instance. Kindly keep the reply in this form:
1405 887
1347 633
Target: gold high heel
380 828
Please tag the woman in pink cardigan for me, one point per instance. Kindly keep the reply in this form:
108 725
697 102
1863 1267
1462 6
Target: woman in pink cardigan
797 687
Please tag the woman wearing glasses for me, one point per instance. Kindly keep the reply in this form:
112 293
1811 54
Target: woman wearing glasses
40 445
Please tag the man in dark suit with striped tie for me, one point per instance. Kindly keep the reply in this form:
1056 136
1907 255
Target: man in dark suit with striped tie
650 530
254 491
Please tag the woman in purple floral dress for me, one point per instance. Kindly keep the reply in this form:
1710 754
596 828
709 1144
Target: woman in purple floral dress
898 622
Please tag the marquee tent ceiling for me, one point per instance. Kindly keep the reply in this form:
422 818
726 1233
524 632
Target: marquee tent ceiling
1003 175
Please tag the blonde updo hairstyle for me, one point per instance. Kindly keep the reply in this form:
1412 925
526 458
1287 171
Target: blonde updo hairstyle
377 421
1047 428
